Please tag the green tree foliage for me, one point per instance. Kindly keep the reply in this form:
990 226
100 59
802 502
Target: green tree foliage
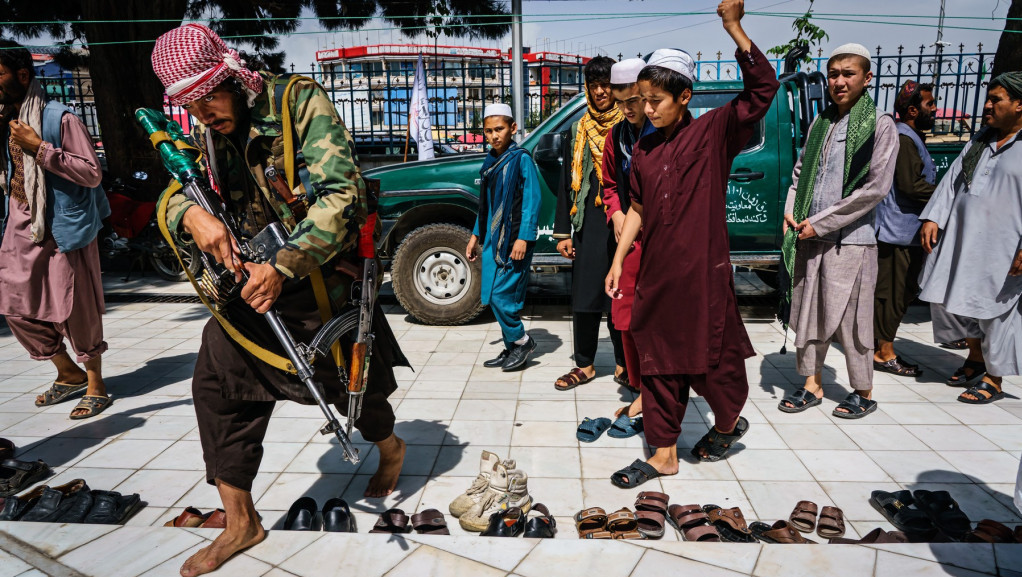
807 36
120 35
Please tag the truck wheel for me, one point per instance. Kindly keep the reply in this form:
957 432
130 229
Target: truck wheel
433 280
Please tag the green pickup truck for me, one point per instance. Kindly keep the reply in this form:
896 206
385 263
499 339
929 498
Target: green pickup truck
428 208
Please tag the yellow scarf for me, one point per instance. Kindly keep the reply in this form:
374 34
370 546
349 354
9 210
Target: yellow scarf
592 128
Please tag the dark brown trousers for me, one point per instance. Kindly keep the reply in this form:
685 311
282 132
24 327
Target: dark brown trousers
898 269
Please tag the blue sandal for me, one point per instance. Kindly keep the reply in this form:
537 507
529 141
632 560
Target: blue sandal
591 429
625 427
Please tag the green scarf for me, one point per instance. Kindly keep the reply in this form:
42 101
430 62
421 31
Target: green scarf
862 121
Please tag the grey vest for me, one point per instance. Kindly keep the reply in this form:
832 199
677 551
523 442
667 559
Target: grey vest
898 216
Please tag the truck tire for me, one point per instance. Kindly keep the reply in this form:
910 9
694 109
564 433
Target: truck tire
433 280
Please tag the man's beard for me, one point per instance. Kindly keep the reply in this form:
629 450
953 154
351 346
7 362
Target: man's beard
924 123
12 92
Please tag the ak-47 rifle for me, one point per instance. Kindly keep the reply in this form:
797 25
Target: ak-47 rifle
219 283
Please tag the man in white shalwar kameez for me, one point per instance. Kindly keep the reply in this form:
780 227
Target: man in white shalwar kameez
972 229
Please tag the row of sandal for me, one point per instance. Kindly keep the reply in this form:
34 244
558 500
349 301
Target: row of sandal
72 502
646 522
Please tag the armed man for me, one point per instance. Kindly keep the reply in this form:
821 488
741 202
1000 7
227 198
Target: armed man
243 118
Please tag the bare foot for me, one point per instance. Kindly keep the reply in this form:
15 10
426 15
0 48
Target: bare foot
633 410
392 457
229 542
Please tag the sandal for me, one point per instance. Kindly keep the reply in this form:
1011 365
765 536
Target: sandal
983 392
217 519
944 512
589 521
898 367
622 380
635 474
58 392
800 400
779 533
112 508
718 444
93 404
652 501
190 517
896 508
542 526
621 522
505 523
877 536
625 427
7 449
803 516
856 405
17 475
430 522
989 531
591 429
707 533
572 379
962 379
730 524
686 516
650 524
391 521
832 523
959 345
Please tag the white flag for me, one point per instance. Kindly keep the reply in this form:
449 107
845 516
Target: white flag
418 115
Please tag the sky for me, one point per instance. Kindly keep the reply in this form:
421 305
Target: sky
591 27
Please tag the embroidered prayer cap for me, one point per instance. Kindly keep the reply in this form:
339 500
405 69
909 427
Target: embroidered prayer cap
852 49
676 60
908 90
497 109
626 71
1010 81
192 60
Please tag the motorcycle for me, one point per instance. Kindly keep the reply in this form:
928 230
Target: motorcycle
132 232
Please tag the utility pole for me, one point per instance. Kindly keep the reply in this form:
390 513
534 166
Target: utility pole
939 46
517 67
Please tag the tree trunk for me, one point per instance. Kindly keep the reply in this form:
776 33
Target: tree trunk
1009 49
123 80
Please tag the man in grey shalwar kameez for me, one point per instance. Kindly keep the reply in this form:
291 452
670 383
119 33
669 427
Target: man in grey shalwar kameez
972 229
846 169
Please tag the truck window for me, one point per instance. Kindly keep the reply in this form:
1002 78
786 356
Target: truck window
705 101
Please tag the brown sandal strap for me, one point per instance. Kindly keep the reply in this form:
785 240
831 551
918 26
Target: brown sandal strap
733 517
629 536
703 533
832 522
621 521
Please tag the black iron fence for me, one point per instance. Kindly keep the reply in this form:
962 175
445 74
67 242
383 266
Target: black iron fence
373 98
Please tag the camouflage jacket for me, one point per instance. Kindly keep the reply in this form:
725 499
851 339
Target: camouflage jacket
336 203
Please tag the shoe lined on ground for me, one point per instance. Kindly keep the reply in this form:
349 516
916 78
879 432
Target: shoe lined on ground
302 516
15 475
541 525
337 517
462 503
507 488
505 523
497 361
518 356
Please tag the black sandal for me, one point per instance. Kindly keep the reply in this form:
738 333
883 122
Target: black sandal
800 400
983 391
944 512
898 367
961 379
718 444
17 475
636 474
112 508
59 392
857 406
92 404
896 508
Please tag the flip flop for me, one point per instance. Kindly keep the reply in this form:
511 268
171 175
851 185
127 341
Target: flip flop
572 379
591 429
58 392
635 474
625 426
94 404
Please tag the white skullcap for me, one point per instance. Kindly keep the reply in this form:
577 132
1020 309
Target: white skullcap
626 71
676 60
498 109
850 49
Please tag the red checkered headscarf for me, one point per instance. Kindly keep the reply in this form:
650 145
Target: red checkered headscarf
192 60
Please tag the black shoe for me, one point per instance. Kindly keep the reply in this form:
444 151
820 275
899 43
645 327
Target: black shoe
302 516
506 523
337 517
499 361
518 356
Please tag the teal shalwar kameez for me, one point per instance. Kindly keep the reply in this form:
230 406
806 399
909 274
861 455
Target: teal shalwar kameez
509 201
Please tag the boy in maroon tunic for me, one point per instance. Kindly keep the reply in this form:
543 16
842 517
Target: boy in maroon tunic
685 318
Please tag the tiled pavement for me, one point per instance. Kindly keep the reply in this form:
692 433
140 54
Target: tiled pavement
450 408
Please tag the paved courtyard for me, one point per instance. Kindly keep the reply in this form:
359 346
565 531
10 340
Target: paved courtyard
450 408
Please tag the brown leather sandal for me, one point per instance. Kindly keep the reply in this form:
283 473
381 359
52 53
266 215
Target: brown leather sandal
686 516
190 517
650 524
589 521
391 521
832 523
652 501
430 522
622 521
803 516
779 533
989 531
730 524
707 533
572 379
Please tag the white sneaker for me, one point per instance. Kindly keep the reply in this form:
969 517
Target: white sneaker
508 488
462 503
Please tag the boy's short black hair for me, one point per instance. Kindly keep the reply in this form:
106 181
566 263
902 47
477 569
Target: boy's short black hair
16 57
597 70
666 79
622 86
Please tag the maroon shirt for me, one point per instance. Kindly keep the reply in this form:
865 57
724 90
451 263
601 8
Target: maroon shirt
685 287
